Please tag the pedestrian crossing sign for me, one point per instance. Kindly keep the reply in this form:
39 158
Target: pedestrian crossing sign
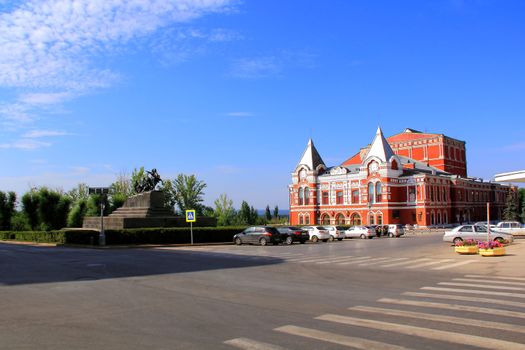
190 216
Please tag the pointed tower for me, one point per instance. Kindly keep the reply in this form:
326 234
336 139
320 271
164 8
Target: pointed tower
311 157
380 148
303 191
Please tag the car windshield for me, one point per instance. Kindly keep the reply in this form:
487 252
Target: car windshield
293 228
320 227
340 227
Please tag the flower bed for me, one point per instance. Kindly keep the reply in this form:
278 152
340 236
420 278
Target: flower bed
466 247
491 248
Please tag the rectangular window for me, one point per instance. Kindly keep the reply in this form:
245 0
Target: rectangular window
325 197
339 197
395 214
355 196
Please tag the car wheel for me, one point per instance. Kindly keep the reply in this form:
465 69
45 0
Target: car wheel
263 241
315 239
339 239
331 239
288 240
302 242
456 240
363 236
325 240
238 241
370 237
391 235
499 239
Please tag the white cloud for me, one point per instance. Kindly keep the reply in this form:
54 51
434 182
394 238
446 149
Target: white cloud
50 49
240 114
44 133
258 67
25 144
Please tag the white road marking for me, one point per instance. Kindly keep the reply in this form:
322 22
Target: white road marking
406 262
441 318
457 307
358 343
391 260
449 266
466 298
474 285
334 260
371 261
356 260
429 263
498 277
475 291
428 333
249 344
488 280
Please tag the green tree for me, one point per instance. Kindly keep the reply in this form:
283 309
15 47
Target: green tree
224 211
247 215
189 193
77 213
268 214
19 222
522 204
276 213
137 177
81 192
510 213
120 191
53 209
7 209
170 194
30 207
93 205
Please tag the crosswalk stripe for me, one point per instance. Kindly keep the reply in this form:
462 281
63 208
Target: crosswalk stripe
356 260
475 285
465 298
307 259
334 260
406 262
371 261
391 260
458 307
358 343
249 344
449 266
428 333
429 263
475 291
441 318
488 279
498 277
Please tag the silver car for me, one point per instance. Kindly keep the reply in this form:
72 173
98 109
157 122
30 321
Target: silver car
360 232
475 232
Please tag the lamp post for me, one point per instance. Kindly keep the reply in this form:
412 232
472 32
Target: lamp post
103 192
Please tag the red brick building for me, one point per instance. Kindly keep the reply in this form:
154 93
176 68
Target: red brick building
409 178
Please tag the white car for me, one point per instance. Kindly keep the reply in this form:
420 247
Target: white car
475 232
360 232
395 230
317 233
512 227
336 232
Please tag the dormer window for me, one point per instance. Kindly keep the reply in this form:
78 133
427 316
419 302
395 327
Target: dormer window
373 167
394 165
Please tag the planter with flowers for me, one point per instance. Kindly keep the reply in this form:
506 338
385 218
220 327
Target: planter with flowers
469 246
492 248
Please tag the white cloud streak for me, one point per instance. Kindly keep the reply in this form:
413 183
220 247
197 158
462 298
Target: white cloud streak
33 134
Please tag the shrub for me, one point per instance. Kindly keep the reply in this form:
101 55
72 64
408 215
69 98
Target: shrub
76 215
19 222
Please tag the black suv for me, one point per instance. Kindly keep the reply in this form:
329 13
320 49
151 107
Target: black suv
258 235
290 234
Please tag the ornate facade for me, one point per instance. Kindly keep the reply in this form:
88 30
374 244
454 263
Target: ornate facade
410 178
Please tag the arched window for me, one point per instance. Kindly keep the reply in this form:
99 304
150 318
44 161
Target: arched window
432 219
371 220
355 219
394 165
301 196
340 219
378 192
325 219
307 219
371 197
306 196
379 219
439 218
445 217
301 219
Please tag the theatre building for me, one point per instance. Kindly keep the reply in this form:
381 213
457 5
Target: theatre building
409 178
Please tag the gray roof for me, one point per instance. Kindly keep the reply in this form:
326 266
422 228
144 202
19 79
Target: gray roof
380 148
311 157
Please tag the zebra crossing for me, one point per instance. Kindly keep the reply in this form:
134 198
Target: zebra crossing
365 261
484 319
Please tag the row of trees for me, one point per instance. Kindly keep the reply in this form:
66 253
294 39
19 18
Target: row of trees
50 209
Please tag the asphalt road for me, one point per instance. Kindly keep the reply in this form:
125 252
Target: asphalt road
381 293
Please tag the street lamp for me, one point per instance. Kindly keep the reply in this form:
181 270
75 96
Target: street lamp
103 192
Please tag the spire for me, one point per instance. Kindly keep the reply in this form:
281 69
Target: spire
380 147
311 157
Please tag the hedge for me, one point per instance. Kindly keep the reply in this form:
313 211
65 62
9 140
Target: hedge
178 235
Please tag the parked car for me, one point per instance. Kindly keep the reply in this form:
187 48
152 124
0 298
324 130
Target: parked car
484 223
475 232
317 233
395 230
360 232
512 227
381 230
290 234
262 235
336 232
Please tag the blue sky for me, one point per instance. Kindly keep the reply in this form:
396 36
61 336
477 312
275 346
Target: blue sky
232 90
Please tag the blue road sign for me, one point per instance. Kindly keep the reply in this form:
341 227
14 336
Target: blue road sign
190 216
